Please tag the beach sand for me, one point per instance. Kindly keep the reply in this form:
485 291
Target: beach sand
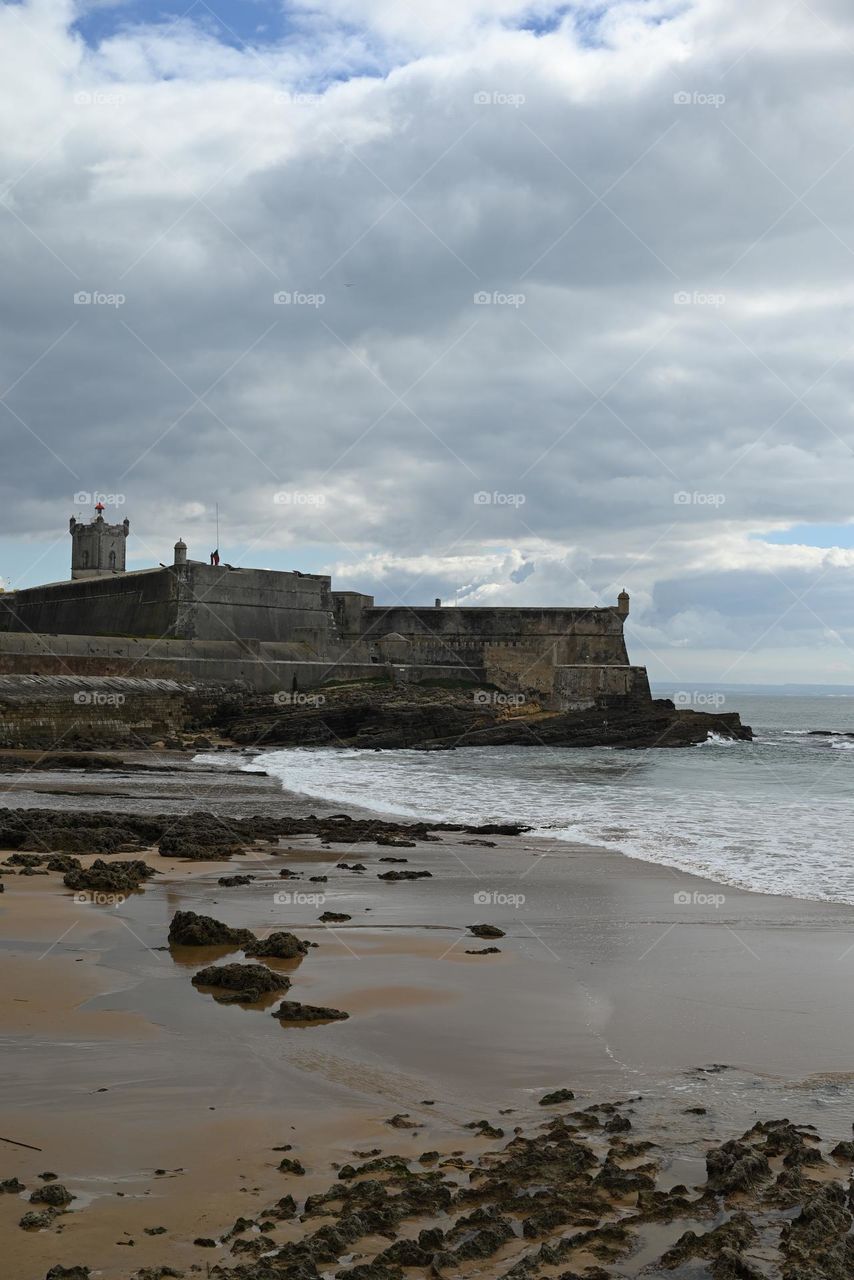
616 978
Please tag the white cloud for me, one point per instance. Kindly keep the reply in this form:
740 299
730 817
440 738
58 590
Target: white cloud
353 162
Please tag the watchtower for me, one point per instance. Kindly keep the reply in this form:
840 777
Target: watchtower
97 548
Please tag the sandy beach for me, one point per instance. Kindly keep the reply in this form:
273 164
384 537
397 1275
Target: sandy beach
620 980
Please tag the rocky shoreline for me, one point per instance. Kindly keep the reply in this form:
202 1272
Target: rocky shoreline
384 717
571 1197
573 1185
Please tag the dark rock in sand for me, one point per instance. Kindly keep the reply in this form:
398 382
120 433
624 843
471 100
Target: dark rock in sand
190 930
288 1165
337 917
33 1221
68 1273
247 982
402 1121
280 945
735 1166
11 1186
293 1011
485 951
557 1095
234 882
109 877
205 1242
405 875
817 1243
54 1194
390 859
486 931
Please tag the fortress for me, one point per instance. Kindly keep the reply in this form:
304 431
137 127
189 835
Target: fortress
270 631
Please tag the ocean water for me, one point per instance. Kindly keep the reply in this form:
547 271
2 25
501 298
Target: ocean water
775 815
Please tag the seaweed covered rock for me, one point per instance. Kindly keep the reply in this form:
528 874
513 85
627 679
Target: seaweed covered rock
736 1166
54 1194
293 1011
109 877
278 946
190 930
244 982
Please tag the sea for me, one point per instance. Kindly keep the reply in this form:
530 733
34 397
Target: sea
775 815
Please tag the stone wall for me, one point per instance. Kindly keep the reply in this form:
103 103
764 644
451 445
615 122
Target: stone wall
522 645
60 712
579 688
264 668
191 602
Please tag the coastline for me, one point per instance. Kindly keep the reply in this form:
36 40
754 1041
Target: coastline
608 982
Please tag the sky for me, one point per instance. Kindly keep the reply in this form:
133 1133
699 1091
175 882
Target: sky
502 302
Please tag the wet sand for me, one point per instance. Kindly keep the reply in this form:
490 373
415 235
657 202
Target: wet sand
615 977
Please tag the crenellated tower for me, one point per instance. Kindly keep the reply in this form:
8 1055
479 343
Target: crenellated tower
97 548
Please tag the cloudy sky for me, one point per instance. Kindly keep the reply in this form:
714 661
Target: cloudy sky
504 302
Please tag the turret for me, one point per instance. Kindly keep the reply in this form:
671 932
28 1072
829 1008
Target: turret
97 548
180 552
623 603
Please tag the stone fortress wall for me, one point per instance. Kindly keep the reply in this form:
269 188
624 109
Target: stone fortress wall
274 630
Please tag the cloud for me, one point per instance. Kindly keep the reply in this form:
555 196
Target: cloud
589 263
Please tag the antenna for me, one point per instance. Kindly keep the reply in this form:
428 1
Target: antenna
217 526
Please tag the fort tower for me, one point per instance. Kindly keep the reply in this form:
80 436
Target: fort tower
97 548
